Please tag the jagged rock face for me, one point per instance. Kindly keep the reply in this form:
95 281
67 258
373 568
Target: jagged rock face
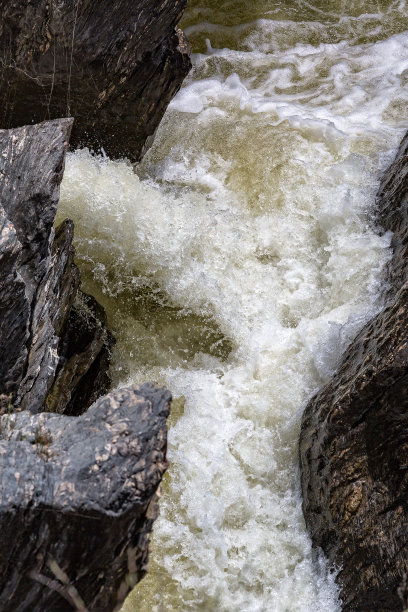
354 439
78 494
31 166
78 497
14 311
39 282
113 64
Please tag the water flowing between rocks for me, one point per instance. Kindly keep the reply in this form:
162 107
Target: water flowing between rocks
235 264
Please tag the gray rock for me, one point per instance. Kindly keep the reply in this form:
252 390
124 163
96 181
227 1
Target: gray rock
354 439
113 64
78 497
31 166
39 299
78 494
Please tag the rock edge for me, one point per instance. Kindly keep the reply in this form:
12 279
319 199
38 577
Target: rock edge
354 438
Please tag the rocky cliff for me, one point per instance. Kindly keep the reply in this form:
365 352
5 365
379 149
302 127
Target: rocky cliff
354 438
114 65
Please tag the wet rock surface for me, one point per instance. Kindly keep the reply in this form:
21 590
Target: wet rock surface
78 489
114 65
39 281
78 497
31 166
354 438
84 357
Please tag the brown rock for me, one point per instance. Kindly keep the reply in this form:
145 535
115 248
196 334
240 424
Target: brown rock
114 65
354 439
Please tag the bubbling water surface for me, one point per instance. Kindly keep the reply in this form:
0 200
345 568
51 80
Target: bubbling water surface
235 264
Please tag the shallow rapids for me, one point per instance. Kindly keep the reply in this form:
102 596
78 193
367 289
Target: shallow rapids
235 264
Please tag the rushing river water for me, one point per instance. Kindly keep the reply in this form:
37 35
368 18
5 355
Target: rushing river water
235 263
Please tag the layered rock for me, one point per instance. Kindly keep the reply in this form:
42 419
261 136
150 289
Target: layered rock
39 282
354 439
78 494
113 64
78 497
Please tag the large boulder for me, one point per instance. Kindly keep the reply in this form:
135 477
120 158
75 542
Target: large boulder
114 65
39 299
78 497
354 439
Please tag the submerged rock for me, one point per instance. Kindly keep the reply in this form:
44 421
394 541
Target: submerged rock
78 497
354 439
39 304
113 64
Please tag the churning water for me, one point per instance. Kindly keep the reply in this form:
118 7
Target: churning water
235 263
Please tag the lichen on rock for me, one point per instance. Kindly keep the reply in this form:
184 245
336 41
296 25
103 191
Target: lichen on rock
78 498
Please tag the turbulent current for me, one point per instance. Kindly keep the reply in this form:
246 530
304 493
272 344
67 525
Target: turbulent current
235 263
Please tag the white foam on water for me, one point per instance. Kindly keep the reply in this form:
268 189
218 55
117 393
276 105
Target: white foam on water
254 211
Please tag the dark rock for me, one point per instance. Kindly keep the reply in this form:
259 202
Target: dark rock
31 166
392 214
84 355
14 311
78 498
354 439
113 64
51 306
39 282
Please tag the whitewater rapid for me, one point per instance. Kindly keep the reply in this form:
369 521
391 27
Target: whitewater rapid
235 264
